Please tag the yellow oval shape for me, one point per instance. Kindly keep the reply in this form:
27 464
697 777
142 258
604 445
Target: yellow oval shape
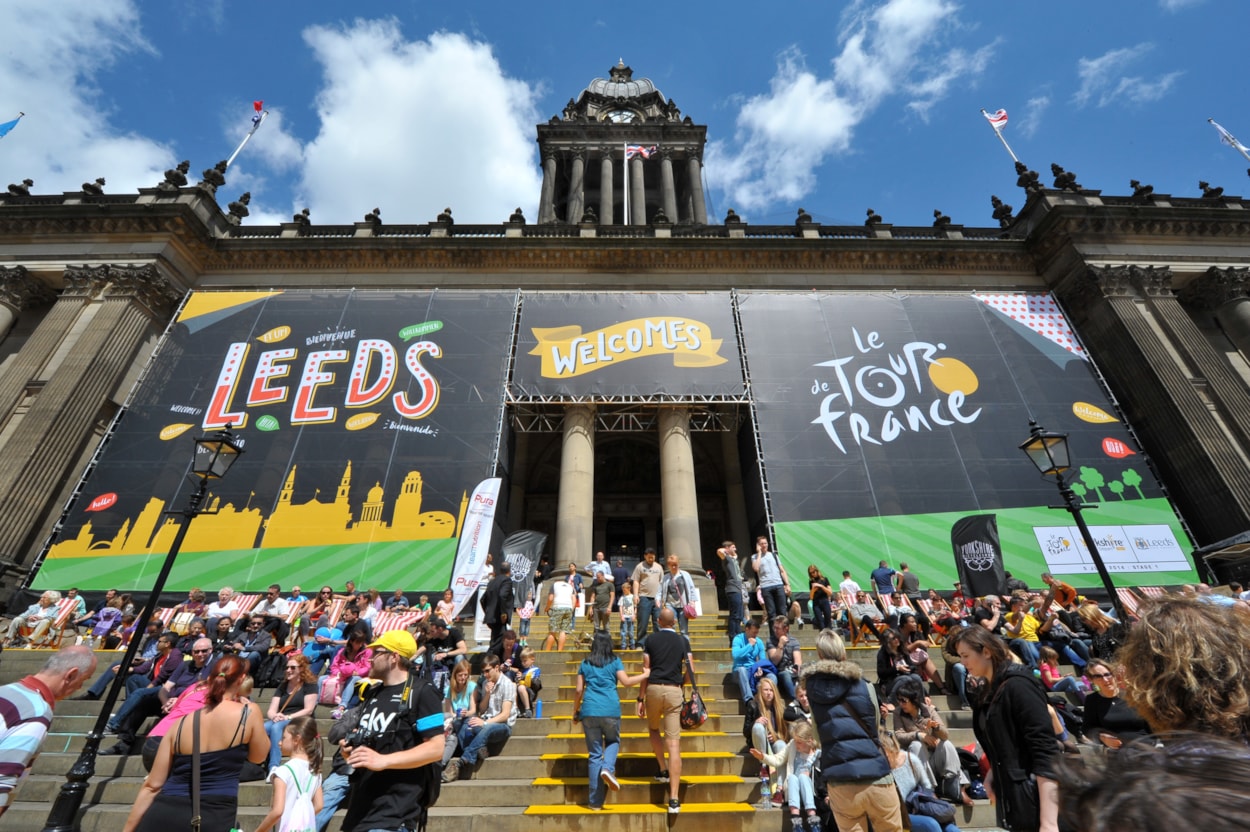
170 431
273 336
361 421
1087 412
950 374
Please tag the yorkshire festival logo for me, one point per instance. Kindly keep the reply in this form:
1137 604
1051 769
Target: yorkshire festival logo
978 555
567 352
878 393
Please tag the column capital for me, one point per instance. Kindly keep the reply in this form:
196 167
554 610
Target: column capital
19 290
1152 281
1094 283
550 154
693 152
84 281
607 152
577 154
1216 287
668 154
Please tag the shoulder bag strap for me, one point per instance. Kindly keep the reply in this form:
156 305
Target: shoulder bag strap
195 772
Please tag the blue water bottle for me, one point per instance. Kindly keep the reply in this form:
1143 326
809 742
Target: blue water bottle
538 709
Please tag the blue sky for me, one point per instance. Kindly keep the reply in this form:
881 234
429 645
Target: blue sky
416 106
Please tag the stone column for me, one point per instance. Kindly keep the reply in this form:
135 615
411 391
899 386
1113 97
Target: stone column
18 291
668 190
546 198
735 496
677 491
575 509
607 208
1147 370
694 171
577 186
637 193
30 360
1226 294
132 303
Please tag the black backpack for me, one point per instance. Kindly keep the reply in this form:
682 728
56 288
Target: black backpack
270 671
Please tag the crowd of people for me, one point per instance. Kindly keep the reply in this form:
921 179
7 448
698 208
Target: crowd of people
837 749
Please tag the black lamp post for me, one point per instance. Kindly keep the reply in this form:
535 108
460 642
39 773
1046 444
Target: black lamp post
1049 452
214 454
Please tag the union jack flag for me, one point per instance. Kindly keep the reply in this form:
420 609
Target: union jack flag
632 150
997 120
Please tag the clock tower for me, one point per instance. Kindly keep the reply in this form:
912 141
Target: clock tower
584 157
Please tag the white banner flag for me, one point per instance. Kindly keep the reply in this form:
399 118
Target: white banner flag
474 543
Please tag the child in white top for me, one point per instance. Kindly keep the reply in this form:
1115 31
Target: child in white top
297 783
800 757
629 613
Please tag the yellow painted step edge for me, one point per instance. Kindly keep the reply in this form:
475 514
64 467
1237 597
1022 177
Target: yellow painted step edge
647 755
641 809
694 779
639 735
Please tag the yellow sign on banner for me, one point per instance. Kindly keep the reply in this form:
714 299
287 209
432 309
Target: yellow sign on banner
567 352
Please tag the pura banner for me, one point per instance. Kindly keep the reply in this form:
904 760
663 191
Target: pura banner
886 418
367 419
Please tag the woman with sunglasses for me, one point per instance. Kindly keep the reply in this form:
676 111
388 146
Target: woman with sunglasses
296 696
1108 718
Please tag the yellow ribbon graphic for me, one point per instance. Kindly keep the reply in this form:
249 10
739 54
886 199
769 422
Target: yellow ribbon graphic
566 352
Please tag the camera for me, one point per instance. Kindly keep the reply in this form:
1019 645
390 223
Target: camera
360 738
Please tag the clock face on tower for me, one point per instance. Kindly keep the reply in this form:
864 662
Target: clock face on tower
621 116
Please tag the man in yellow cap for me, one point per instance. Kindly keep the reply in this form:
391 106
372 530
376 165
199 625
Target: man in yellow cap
400 730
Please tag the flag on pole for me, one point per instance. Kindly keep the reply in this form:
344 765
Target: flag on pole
1225 137
9 125
997 120
632 150
259 107
258 118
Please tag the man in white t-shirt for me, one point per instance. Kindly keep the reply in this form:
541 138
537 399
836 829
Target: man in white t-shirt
848 586
224 607
492 725
274 609
560 600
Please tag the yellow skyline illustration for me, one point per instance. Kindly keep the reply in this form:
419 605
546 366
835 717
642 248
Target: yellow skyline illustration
311 523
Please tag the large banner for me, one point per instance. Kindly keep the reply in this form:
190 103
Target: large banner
886 418
978 555
367 419
627 344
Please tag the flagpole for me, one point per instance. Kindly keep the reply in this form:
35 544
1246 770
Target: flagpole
1231 140
625 157
256 126
999 133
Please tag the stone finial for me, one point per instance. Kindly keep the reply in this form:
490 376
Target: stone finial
1210 193
1002 212
1027 179
22 188
660 218
570 110
803 218
303 219
95 188
374 217
237 210
176 178
517 217
445 217
1141 191
873 218
1065 180
732 218
214 177
940 220
588 216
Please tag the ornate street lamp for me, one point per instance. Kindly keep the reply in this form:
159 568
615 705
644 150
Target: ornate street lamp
214 454
1049 453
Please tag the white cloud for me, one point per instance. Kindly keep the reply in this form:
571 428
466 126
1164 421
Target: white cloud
278 149
886 50
412 127
48 69
1104 82
1031 121
1177 5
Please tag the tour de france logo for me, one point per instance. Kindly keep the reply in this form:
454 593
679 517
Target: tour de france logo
567 352
879 392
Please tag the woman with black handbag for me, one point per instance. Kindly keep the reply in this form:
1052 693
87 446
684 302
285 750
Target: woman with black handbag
1014 728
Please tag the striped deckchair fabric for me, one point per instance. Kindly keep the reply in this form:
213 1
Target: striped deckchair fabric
246 602
387 621
1130 599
